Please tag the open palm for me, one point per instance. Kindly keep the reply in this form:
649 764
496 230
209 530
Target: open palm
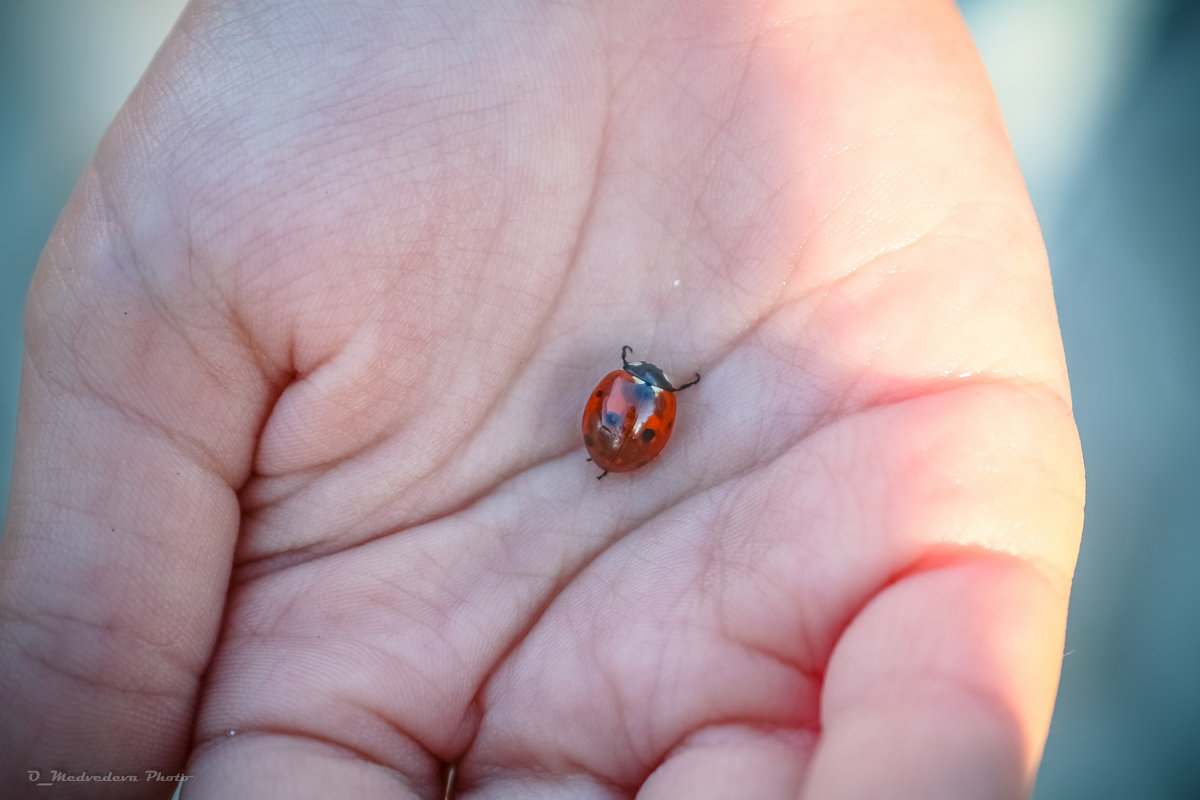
300 504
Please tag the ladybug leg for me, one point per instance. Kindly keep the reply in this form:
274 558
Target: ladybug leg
692 382
602 474
624 360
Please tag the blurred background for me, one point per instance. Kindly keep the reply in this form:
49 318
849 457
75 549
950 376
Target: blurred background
1102 98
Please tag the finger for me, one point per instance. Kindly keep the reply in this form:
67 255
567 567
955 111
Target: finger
139 411
920 261
943 686
744 761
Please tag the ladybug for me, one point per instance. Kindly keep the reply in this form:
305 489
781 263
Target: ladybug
628 418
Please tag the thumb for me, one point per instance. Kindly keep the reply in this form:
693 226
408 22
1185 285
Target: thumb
140 407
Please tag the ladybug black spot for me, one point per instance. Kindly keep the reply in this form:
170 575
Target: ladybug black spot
670 424
648 434
588 440
599 393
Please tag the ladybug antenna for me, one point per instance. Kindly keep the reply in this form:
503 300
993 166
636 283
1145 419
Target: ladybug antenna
624 360
692 382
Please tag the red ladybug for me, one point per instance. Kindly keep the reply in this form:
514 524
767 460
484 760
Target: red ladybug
628 418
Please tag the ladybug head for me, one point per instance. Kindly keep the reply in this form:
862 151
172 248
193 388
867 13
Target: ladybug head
650 374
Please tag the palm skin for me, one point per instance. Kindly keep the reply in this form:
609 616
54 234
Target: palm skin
300 505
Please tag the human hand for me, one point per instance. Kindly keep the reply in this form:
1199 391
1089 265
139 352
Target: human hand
300 505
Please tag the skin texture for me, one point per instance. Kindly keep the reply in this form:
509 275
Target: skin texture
299 455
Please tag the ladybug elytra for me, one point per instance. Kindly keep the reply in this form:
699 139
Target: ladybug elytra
629 416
